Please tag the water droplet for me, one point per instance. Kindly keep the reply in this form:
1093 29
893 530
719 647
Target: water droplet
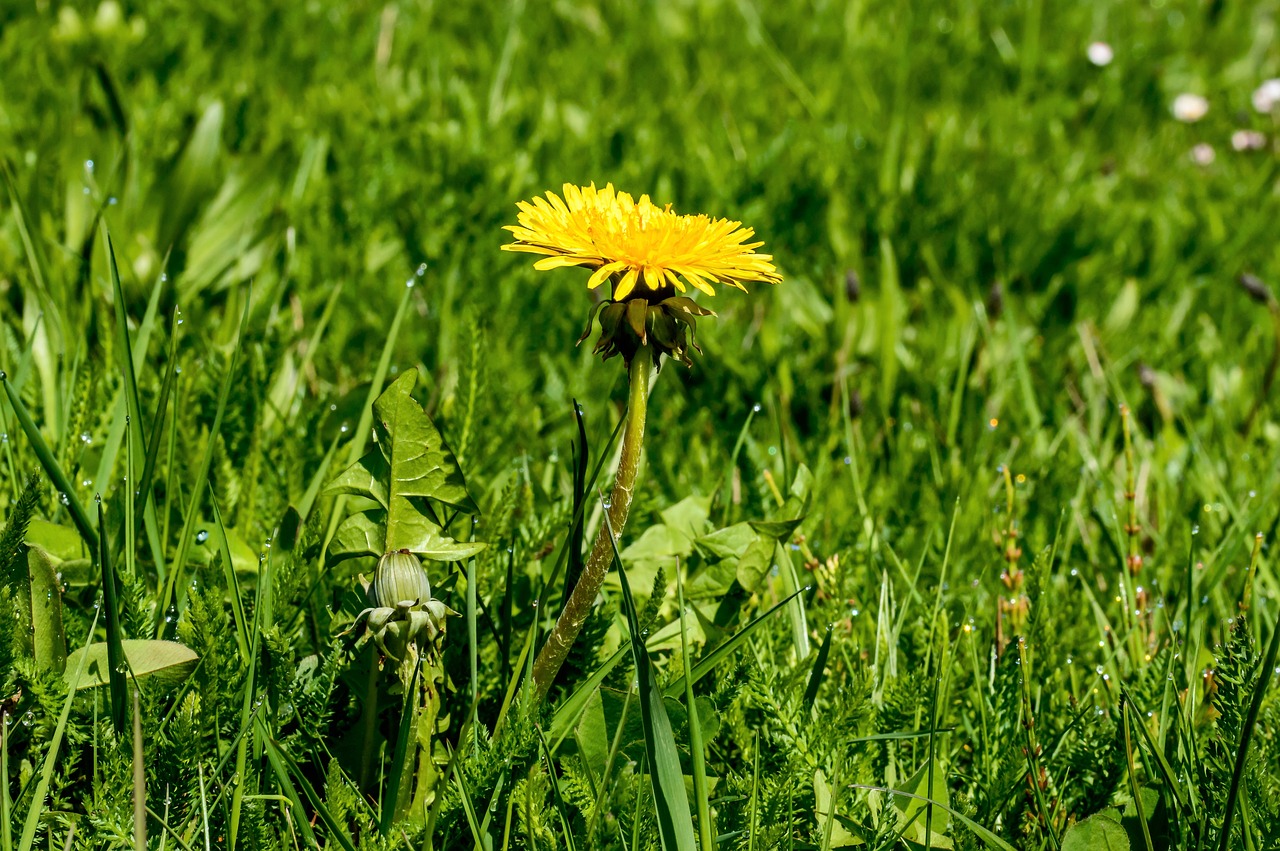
64 499
409 283
88 166
85 437
202 536
421 270
1195 530
87 483
113 200
756 408
848 459
28 719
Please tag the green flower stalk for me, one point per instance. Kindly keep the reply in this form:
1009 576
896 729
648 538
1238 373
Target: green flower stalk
650 255
406 626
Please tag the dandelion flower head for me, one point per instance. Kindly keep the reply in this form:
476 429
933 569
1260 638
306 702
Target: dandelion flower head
641 247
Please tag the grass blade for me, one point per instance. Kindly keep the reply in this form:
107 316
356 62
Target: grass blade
708 663
51 755
706 830
66 492
1246 734
115 649
675 823
201 482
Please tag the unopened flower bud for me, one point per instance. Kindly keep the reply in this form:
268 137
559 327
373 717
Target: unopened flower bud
399 580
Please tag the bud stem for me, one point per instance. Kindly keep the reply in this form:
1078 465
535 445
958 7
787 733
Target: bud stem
578 606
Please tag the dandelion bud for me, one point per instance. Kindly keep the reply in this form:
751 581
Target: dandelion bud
399 580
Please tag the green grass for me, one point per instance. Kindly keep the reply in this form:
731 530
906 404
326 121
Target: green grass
991 250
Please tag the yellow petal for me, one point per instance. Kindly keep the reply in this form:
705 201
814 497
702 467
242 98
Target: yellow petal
625 287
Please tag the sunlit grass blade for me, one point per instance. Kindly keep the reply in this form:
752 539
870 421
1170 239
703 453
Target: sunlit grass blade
287 772
360 438
706 830
675 823
708 663
1265 675
566 823
25 843
66 491
229 576
988 838
6 803
192 515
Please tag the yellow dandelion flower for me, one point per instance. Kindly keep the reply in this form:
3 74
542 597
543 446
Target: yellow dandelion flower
643 248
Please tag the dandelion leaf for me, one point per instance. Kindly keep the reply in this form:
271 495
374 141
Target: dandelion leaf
410 465
1096 833
913 813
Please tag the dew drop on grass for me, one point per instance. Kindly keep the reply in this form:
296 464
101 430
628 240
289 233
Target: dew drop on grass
422 270
88 166
64 499
85 437
202 536
755 408
848 459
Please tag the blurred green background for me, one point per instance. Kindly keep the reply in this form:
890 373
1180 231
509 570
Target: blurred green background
911 168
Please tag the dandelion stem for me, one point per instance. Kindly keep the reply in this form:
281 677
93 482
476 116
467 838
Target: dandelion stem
578 606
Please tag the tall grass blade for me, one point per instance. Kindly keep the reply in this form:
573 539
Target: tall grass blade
41 792
117 667
1246 734
675 823
66 491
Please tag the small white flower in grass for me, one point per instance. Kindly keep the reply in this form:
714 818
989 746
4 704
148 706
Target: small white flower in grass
1100 53
1266 97
1248 140
1189 108
1203 154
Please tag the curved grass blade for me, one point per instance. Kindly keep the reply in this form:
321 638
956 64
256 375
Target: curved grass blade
202 481
706 830
52 469
675 823
51 754
286 771
1250 722
116 665
989 838
708 663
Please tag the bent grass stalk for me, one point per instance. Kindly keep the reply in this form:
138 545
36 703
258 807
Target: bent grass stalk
578 606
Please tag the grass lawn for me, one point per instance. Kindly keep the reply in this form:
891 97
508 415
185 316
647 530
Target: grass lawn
959 536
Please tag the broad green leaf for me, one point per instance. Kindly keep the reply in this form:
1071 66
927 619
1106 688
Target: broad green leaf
364 534
168 661
689 516
840 836
410 465
420 462
755 562
912 814
48 637
1096 833
727 543
61 542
